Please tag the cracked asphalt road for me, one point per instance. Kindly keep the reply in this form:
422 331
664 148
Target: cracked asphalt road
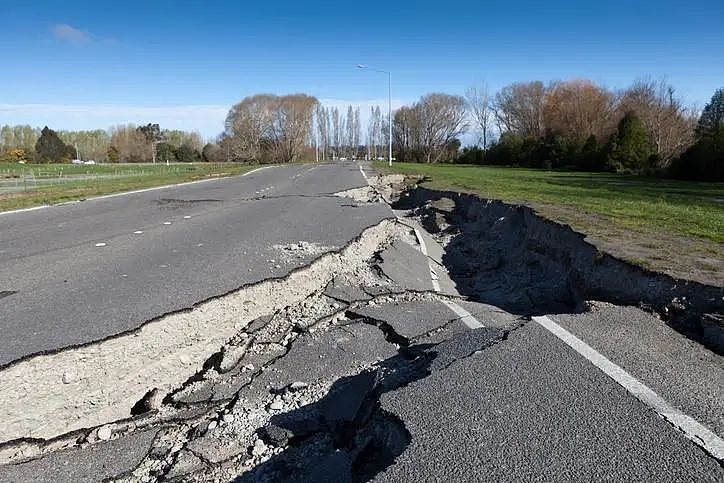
70 292
372 377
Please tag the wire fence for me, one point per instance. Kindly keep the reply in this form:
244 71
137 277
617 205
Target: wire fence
18 180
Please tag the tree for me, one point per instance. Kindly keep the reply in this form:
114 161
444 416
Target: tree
291 126
165 152
50 148
114 155
442 119
630 147
424 131
212 153
187 154
705 159
669 123
518 108
131 143
152 134
711 122
578 109
478 105
266 127
248 124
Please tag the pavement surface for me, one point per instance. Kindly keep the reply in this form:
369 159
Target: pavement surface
220 236
384 374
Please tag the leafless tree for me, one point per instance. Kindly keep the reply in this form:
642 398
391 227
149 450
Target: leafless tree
130 143
337 128
248 124
291 126
518 108
478 105
442 119
669 122
578 109
425 130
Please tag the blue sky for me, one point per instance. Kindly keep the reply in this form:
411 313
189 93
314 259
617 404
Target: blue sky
79 64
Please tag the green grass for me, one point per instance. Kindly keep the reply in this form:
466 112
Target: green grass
66 182
592 200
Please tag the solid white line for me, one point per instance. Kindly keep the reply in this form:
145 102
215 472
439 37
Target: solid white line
466 317
124 193
692 429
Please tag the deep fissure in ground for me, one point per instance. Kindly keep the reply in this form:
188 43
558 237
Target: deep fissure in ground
511 257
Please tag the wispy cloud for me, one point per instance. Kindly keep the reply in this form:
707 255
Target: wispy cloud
70 34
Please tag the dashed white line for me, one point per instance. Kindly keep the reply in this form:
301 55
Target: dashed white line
692 429
101 244
138 232
124 193
166 222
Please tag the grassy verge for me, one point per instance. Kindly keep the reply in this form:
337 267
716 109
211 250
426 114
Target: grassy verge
647 220
23 186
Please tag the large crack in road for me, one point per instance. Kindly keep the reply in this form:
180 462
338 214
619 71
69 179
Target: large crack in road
351 368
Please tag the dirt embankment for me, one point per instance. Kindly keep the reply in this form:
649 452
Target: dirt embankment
509 256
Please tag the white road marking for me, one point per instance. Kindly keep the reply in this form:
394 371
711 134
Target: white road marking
138 232
101 244
466 317
124 193
166 222
186 217
692 429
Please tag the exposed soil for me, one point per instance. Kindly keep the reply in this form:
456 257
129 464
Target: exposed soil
510 256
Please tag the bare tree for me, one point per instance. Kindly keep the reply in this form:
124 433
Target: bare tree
478 104
426 130
338 129
669 122
442 119
291 126
518 108
248 124
578 109
131 144
356 133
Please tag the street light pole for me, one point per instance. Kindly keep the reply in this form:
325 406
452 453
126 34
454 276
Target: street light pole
389 104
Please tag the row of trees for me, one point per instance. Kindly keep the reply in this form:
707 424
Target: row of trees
126 143
578 122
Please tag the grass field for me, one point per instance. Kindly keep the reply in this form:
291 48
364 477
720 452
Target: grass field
31 185
651 221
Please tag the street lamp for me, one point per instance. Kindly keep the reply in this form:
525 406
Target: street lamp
389 101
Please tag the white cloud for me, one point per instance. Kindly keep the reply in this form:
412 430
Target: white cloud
68 33
207 119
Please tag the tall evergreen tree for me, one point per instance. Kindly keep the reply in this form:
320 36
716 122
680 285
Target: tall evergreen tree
630 147
51 149
711 122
